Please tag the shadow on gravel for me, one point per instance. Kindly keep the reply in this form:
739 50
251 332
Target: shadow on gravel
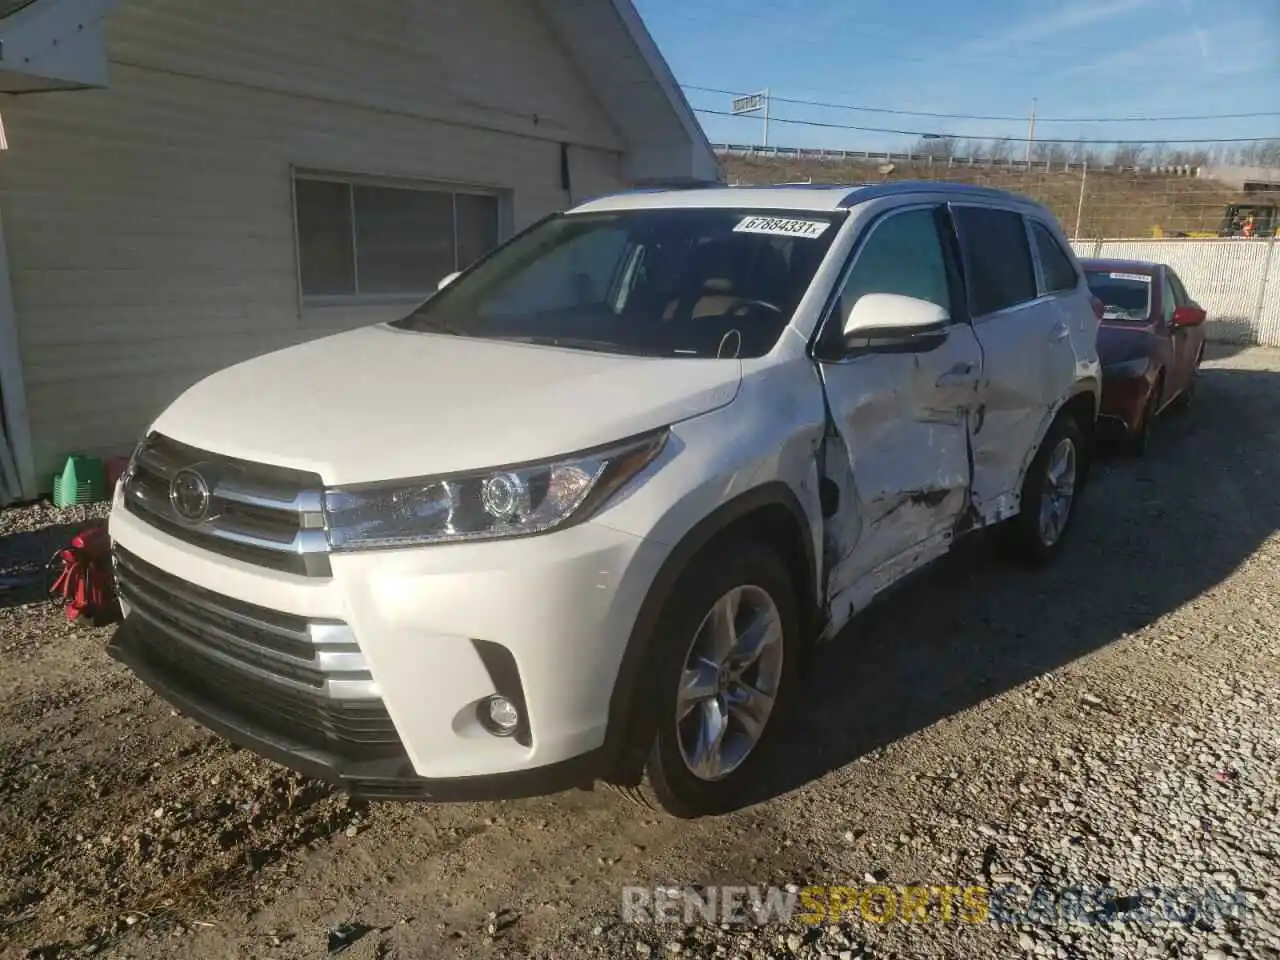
24 558
1222 350
1152 535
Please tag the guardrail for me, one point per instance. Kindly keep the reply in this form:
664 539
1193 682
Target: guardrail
867 156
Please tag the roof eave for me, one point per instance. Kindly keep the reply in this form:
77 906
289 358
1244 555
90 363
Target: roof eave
622 66
704 165
52 45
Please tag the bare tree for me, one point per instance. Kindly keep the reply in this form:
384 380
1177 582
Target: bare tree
1045 152
1223 155
1267 153
1188 158
936 147
999 150
1129 154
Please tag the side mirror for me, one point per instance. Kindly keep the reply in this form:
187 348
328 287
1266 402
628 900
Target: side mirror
448 279
895 318
1188 316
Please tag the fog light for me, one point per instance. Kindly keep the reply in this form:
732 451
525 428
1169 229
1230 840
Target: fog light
502 715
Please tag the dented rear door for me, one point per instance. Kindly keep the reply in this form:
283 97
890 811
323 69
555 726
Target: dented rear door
897 452
1029 358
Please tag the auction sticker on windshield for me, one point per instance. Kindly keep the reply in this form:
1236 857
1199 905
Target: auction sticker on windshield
783 227
1141 278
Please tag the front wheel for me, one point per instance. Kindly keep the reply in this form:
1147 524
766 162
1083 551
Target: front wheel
725 661
1049 494
1187 397
1140 439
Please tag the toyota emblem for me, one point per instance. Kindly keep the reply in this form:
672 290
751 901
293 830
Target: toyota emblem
189 494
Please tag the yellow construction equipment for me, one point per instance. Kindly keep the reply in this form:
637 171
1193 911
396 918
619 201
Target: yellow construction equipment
1248 218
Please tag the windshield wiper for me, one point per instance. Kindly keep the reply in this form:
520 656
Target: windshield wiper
577 343
426 323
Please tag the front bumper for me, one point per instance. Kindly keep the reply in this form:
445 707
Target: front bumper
439 630
388 777
1123 400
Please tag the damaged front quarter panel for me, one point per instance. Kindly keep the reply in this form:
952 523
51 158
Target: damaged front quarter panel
897 486
897 463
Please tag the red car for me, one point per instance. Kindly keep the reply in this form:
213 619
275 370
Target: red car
1150 342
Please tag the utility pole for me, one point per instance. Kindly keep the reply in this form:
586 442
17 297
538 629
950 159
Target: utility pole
1031 131
1084 176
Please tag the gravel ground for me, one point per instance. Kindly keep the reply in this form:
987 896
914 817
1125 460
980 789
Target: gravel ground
1113 722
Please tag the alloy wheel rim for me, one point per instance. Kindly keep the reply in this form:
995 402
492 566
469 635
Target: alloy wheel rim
1058 492
729 683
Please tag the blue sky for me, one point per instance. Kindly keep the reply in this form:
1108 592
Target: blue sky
1077 58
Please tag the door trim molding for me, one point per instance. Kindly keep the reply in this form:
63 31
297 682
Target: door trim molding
17 426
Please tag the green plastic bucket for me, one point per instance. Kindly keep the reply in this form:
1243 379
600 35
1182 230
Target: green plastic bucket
82 480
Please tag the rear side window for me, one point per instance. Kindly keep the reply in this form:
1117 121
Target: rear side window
1059 274
997 259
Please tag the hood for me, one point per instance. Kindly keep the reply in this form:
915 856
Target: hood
1116 344
379 403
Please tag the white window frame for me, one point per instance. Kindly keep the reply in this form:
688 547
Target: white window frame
503 196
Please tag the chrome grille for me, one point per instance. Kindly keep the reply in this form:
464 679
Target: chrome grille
303 679
268 516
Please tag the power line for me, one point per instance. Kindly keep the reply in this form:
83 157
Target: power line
978 116
933 134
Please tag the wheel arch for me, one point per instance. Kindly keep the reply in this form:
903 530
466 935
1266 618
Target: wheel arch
1160 383
771 514
1083 405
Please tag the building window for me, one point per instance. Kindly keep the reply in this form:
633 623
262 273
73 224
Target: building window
358 238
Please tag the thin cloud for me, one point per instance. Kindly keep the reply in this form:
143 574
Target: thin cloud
1201 37
1249 52
1060 22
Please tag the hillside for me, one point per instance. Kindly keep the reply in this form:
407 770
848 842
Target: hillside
1116 204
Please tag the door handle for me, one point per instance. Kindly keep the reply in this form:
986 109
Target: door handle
1059 332
961 375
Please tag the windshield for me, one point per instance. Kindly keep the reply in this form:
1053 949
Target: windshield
668 283
1126 297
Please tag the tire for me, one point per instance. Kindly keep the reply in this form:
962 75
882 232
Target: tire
1139 442
1027 538
1186 399
757 581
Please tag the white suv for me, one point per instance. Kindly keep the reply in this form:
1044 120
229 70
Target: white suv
581 514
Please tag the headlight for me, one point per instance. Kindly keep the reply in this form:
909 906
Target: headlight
132 466
485 505
1137 367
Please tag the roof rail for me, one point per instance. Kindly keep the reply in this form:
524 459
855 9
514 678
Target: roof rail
893 188
650 186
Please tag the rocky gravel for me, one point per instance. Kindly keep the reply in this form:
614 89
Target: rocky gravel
1094 749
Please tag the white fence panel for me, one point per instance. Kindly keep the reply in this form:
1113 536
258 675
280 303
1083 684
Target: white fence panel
1268 323
1236 281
